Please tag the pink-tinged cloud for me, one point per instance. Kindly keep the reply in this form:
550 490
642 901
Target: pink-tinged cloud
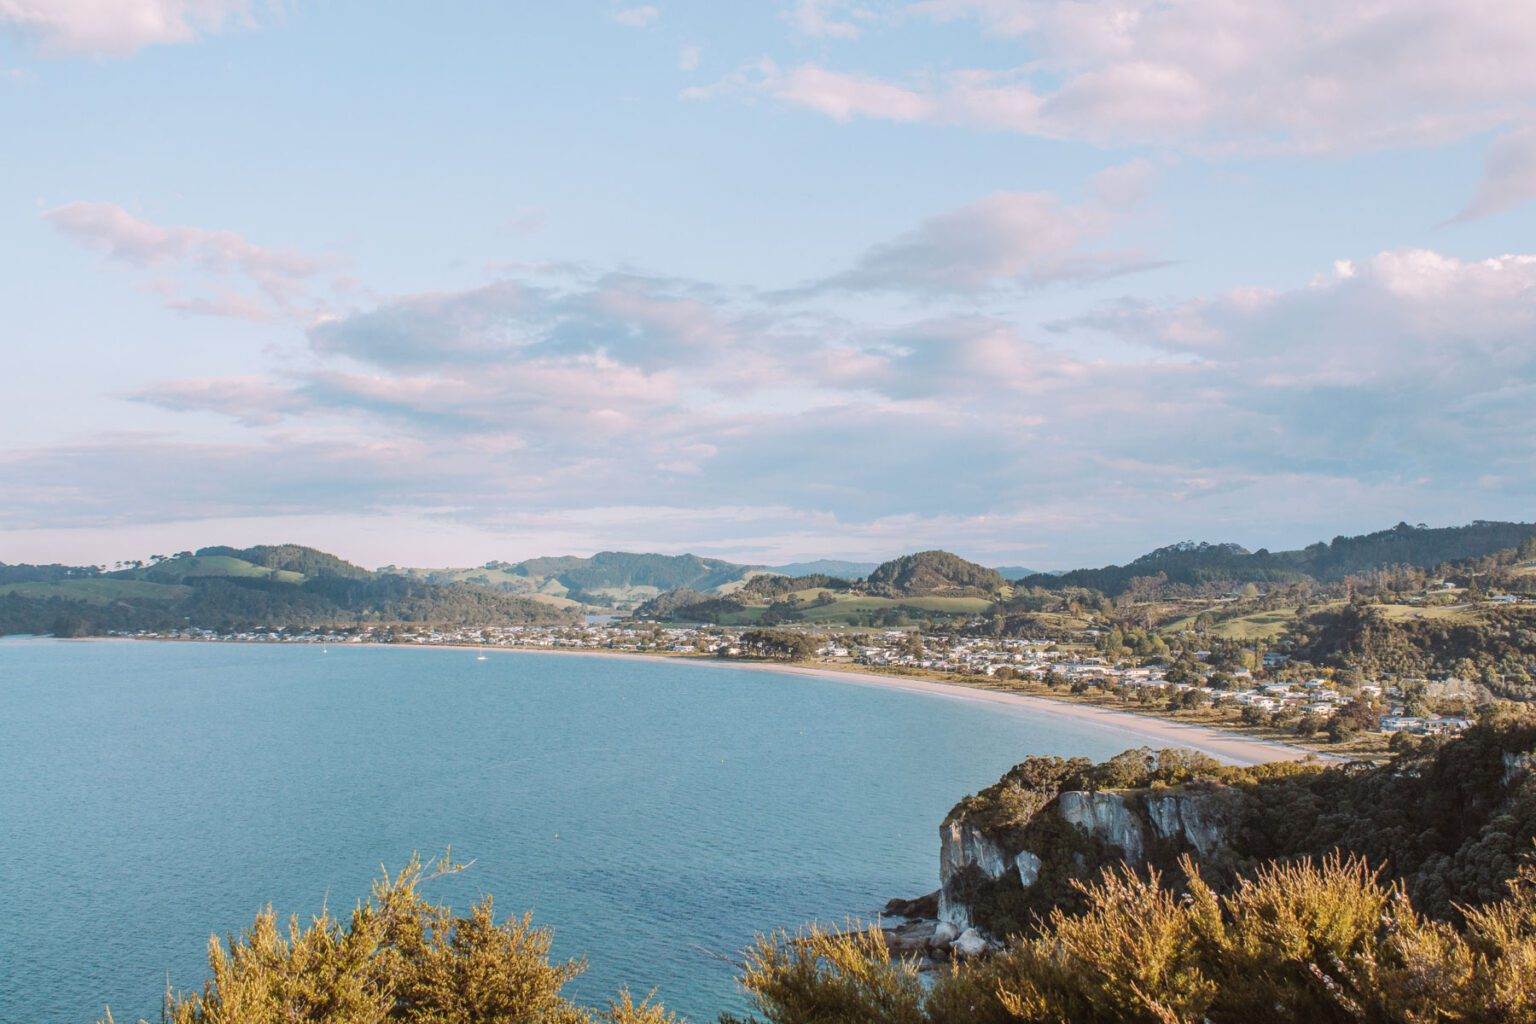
119 27
844 97
1005 240
195 257
1205 75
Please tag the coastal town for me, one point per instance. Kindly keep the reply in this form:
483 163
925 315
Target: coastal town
1043 666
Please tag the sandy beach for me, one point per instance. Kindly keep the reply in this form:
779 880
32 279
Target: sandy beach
1138 730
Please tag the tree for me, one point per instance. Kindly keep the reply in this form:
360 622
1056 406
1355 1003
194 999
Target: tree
779 644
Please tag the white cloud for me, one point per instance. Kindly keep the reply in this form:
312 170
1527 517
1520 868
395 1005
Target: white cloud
688 56
828 19
1401 384
1211 75
844 97
119 27
637 17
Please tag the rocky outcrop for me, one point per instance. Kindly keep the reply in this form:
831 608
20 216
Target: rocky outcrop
962 846
988 875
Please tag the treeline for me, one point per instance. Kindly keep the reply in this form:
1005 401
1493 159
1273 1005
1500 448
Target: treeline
230 604
1193 566
1496 649
292 558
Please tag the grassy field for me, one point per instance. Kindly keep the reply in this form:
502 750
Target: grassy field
1461 613
174 570
98 590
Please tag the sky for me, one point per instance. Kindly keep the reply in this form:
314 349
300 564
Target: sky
1043 282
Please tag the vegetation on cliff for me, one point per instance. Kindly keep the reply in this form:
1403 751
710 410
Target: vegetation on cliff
1325 942
1450 822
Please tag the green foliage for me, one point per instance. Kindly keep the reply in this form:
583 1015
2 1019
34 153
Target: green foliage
398 960
1451 821
831 978
664 572
933 572
778 644
1497 647
225 592
1326 942
295 558
1193 565
767 587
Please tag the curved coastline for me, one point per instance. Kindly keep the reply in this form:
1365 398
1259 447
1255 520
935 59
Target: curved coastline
1139 730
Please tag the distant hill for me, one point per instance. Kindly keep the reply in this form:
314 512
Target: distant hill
609 579
218 588
933 572
665 572
826 567
1192 564
1015 572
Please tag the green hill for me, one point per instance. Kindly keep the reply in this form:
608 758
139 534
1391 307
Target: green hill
610 579
235 589
933 572
1193 565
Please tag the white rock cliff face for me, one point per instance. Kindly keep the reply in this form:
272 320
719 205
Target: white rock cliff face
1106 816
962 845
1198 819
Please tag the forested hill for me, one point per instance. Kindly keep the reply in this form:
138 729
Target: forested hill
664 572
1194 565
234 589
933 572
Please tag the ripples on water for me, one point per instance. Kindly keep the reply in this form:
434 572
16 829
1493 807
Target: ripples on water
655 814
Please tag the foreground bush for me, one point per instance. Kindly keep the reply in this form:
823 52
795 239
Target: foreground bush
399 960
1294 944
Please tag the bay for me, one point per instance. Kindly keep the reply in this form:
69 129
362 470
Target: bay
656 815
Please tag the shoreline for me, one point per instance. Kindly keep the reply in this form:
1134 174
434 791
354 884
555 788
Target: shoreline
1225 745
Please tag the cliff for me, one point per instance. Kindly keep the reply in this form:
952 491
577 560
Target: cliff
1452 821
996 879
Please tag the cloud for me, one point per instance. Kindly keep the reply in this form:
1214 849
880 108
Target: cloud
1509 175
1207 75
827 19
119 27
642 16
1005 240
844 97
688 56
280 277
1397 385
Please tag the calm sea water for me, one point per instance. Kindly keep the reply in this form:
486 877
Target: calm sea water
655 815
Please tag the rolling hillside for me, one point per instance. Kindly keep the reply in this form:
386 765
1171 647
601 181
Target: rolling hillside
1193 565
267 587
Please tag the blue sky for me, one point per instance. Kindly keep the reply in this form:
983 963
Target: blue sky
1042 281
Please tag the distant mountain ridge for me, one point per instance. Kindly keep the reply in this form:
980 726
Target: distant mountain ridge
1195 564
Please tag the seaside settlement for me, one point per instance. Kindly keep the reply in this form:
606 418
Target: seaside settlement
1263 697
